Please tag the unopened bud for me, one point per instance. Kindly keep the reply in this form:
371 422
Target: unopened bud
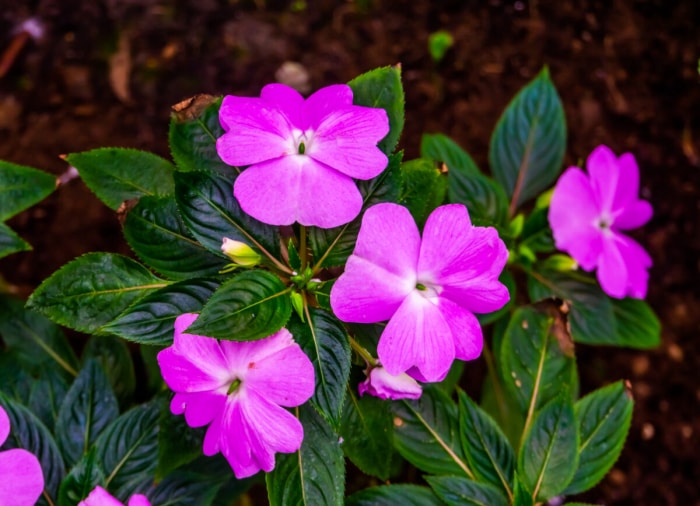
240 253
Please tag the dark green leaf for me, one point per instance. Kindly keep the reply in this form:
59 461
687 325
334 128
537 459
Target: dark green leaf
426 433
29 433
211 212
178 443
184 489
323 339
115 359
457 491
156 233
89 407
194 128
11 242
15 382
22 187
119 174
637 325
46 396
92 290
394 495
488 452
151 320
315 474
441 148
382 88
527 146
423 188
81 480
485 199
536 234
521 495
250 306
366 430
549 454
603 418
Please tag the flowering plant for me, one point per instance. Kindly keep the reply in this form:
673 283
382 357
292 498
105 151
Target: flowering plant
302 296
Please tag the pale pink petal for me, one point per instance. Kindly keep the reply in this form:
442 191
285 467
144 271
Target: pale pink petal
637 261
381 384
634 215
466 331
4 425
240 354
138 500
199 408
286 99
604 172
326 101
255 131
612 271
99 497
573 216
21 478
417 336
463 260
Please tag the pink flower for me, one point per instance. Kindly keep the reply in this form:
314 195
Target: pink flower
587 213
238 388
21 478
380 383
303 154
428 289
100 497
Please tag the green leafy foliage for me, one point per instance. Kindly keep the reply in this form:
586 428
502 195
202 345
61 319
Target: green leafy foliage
636 324
438 44
536 234
92 290
423 188
603 418
178 443
458 491
81 480
323 339
442 149
156 233
392 495
315 474
183 488
21 187
116 175
11 242
528 143
46 396
382 88
114 357
484 198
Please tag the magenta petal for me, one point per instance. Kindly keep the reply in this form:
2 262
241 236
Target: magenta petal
573 216
99 497
634 215
286 99
604 172
21 478
637 261
138 500
612 270
200 408
466 331
212 438
627 183
4 425
417 336
324 102
386 386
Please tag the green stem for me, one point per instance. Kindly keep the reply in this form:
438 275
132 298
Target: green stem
362 351
302 246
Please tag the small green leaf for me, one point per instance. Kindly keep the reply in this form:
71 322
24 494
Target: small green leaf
114 357
423 188
394 495
382 88
549 454
441 148
528 143
457 491
89 407
603 418
537 235
637 325
438 44
151 320
21 187
426 433
323 339
119 174
315 474
92 290
194 128
367 429
156 233
252 305
82 479
485 199
11 242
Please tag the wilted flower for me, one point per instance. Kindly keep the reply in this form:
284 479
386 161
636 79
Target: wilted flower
238 388
303 154
100 497
587 213
428 289
21 478
380 383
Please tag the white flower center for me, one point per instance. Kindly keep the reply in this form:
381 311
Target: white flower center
604 222
428 290
301 142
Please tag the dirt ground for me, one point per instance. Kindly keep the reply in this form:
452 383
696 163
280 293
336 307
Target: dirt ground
105 73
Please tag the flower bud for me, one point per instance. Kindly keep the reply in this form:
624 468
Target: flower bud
380 383
240 253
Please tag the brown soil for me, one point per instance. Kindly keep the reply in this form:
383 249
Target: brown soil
626 72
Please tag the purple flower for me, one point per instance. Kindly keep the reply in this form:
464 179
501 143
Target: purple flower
100 497
587 213
380 383
428 289
303 154
239 388
21 478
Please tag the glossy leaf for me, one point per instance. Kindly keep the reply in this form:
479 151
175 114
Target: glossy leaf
457 491
46 396
88 408
423 188
536 234
81 480
367 432
485 199
548 457
184 489
114 357
11 242
603 418
382 87
92 290
151 320
426 433
119 174
323 339
315 474
527 147
21 187
393 495
637 325
156 233
178 443
440 148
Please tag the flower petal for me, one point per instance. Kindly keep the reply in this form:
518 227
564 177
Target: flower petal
325 101
637 261
417 336
200 408
627 182
612 271
573 213
634 215
256 130
603 169
466 330
4 425
99 497
22 480
286 99
381 384
465 261
138 500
